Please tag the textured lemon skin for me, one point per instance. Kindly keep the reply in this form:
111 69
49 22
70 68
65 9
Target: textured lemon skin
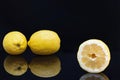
44 42
105 49
14 43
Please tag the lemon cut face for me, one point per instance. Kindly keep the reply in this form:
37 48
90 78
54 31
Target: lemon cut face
93 56
44 42
14 43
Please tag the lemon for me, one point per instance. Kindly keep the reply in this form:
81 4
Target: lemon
44 42
14 43
93 56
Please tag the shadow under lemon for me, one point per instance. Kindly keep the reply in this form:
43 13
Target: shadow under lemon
45 66
94 76
15 65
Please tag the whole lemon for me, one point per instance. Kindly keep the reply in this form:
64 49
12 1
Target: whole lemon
44 42
14 43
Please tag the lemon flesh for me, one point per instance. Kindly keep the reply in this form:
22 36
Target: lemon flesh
14 43
93 56
44 42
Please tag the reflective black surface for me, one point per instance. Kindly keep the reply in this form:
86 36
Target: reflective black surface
74 21
70 68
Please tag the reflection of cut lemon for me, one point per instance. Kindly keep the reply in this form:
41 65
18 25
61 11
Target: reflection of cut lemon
90 76
45 66
93 56
44 42
14 43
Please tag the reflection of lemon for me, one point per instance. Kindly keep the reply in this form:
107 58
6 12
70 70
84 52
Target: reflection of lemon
14 43
90 76
45 66
93 56
44 42
15 65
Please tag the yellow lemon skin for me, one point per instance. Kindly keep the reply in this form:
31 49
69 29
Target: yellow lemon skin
14 43
44 42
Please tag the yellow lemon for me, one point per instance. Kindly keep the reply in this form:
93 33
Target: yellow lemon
14 43
44 42
93 56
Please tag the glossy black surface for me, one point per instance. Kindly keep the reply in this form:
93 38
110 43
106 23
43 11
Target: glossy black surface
70 68
74 21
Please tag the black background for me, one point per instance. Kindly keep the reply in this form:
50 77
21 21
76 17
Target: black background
74 20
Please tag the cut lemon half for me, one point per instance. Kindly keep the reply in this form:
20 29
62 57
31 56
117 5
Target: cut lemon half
93 56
